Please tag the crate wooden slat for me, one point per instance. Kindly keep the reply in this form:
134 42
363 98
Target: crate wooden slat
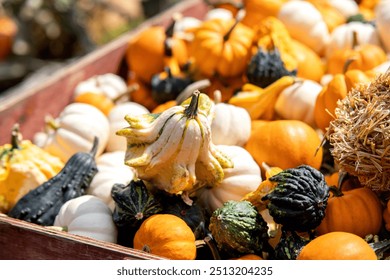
20 240
52 93
28 106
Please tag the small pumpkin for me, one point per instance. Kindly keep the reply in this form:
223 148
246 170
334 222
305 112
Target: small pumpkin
222 47
142 94
8 31
382 21
386 216
42 204
166 235
284 143
346 207
364 57
337 246
257 10
23 167
239 229
74 131
111 170
88 216
243 178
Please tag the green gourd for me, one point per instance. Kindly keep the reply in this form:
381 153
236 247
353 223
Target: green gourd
289 245
299 199
238 228
42 204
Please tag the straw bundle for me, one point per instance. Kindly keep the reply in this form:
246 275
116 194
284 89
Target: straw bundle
360 133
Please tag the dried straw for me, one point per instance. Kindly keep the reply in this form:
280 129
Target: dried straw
360 133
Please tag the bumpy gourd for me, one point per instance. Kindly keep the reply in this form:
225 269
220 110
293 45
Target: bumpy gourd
23 167
133 203
173 150
239 229
41 205
299 199
266 67
289 245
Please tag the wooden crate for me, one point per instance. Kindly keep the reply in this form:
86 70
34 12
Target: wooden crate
28 106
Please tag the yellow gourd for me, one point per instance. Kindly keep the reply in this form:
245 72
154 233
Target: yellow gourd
23 167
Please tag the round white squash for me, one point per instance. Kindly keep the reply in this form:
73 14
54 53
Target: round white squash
238 181
87 216
305 24
111 170
382 20
110 85
116 119
342 36
74 131
297 101
231 125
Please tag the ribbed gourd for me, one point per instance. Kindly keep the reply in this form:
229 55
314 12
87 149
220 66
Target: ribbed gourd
41 205
289 245
238 228
173 150
299 199
133 203
266 67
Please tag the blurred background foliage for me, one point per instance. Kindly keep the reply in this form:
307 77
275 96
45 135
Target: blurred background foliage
53 31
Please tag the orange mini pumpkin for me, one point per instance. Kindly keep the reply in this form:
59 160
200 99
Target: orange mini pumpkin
166 235
337 245
386 216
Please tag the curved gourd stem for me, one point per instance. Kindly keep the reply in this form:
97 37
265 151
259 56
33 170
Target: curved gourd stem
227 35
169 32
15 137
192 110
94 146
130 89
336 191
187 92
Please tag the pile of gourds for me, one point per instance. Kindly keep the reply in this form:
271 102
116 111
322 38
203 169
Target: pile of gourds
216 144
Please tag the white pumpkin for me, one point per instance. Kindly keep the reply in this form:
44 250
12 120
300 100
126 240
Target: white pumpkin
297 101
382 20
116 119
231 125
110 85
87 216
238 181
111 170
342 36
74 131
305 24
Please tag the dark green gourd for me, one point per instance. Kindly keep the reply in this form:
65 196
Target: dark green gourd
289 245
238 228
41 205
133 204
166 86
265 67
299 199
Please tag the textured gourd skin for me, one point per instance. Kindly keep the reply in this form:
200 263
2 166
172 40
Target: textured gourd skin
133 203
41 205
238 229
265 67
299 199
289 246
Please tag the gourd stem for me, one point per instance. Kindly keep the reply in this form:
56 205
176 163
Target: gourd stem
169 32
336 191
355 41
213 248
347 63
217 96
130 89
192 110
94 146
15 137
227 35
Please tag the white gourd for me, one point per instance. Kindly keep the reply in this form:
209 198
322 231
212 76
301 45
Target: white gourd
87 216
382 20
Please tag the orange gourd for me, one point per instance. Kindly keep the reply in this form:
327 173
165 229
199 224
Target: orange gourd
337 246
257 10
364 57
386 216
358 211
143 92
166 235
249 257
222 47
284 143
100 101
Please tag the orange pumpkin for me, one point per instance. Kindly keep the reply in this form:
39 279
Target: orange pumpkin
257 10
330 14
364 57
166 235
284 143
337 246
100 101
358 211
153 48
227 86
8 30
249 257
386 216
143 92
221 47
